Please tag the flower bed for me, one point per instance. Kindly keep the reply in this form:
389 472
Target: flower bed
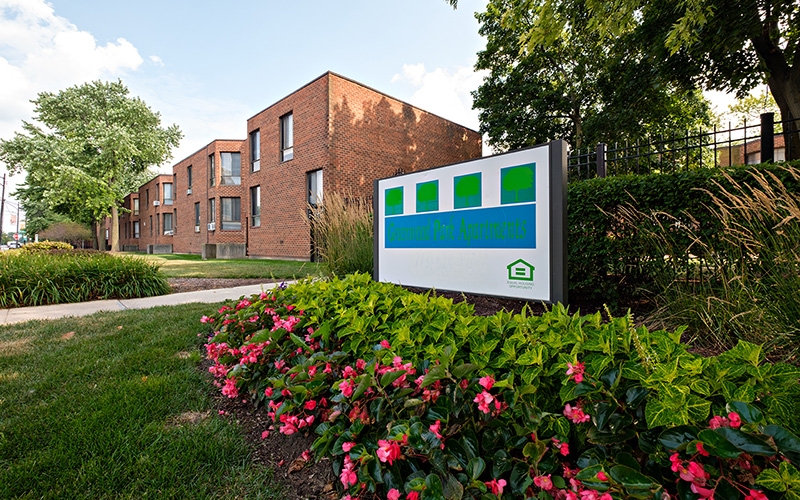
413 396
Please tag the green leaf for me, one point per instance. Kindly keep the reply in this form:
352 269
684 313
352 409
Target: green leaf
717 445
746 442
433 487
788 444
534 451
475 467
771 480
453 489
412 402
462 370
438 372
364 383
749 413
389 377
631 478
676 438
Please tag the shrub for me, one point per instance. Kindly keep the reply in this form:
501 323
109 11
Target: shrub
342 233
46 246
412 394
36 278
610 258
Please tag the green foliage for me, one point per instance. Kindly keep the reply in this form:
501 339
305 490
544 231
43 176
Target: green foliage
29 278
389 380
93 147
342 234
610 258
551 76
115 406
46 246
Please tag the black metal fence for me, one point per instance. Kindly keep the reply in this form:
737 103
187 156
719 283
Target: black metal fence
747 144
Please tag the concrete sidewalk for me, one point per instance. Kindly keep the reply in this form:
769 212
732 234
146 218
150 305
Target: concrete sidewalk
20 314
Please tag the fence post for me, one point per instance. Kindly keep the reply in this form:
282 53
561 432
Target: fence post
601 160
767 137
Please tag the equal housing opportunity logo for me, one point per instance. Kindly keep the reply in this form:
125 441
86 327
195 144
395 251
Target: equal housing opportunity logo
520 274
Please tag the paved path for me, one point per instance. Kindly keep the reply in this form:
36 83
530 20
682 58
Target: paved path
20 314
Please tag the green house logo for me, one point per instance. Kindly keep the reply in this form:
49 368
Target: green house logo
519 270
428 196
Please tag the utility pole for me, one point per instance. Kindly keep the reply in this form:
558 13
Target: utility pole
2 205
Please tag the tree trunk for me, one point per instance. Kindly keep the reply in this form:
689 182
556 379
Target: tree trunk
97 236
114 233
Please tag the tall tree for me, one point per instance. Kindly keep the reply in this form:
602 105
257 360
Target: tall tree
93 147
728 45
571 82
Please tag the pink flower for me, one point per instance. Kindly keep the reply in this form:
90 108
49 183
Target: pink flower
756 495
543 482
487 382
436 428
702 492
310 405
347 388
496 487
268 392
483 399
414 495
576 414
602 476
361 364
265 435
204 319
388 451
312 370
230 389
347 446
716 422
700 449
393 494
385 344
327 368
576 371
734 420
676 462
348 477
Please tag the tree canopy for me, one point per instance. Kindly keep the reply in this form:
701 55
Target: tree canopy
93 145
573 83
728 45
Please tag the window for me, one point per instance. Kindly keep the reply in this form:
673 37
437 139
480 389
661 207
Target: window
136 229
314 187
151 225
212 171
212 210
231 170
255 206
189 178
255 151
780 154
231 213
136 206
287 137
147 197
197 214
168 228
158 191
168 194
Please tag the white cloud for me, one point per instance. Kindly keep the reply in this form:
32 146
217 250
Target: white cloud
156 60
442 92
40 51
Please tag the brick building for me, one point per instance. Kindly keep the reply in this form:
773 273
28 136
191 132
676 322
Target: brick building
332 135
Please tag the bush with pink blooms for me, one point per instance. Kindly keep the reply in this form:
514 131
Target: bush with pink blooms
414 397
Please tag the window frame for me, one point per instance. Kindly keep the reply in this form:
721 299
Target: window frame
315 183
287 136
168 227
212 170
136 206
212 210
255 150
136 230
232 224
168 199
255 206
230 180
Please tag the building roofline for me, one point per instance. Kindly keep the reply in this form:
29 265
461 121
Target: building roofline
331 73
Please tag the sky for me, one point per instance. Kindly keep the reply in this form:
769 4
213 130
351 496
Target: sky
208 66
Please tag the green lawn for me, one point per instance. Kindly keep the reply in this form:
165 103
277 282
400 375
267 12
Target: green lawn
192 266
114 406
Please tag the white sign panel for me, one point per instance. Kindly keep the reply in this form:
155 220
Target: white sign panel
483 226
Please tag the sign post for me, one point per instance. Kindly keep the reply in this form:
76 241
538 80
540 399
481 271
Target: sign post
494 226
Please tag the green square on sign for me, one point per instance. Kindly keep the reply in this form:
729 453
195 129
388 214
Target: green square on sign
467 191
428 196
394 201
518 184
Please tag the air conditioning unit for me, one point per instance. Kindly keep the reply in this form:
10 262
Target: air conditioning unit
196 229
212 226
189 191
156 203
169 233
